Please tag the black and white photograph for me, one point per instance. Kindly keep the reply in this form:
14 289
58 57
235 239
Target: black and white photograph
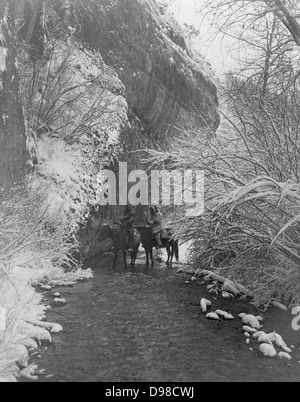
149 194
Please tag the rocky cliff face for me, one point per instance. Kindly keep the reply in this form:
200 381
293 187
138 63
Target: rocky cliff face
164 84
154 76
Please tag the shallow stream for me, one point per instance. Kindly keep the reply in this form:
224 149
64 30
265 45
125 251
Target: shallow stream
145 324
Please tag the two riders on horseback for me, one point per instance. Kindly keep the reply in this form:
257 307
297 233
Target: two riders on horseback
127 237
155 220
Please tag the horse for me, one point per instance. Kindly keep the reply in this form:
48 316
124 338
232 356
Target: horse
120 240
148 242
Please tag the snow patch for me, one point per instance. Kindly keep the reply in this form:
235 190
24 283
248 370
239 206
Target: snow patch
284 355
267 350
225 315
3 55
279 305
212 316
252 321
204 303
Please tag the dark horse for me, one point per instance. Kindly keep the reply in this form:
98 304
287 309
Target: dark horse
120 240
148 242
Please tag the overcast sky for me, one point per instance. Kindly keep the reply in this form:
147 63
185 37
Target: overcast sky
219 51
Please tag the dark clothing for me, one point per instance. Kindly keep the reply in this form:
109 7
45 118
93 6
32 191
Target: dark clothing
127 221
127 224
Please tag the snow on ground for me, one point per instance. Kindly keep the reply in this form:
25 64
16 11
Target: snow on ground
25 312
70 171
270 345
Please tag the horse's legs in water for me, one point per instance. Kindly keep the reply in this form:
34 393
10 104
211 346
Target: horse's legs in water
151 256
172 254
169 253
147 252
124 258
115 258
134 254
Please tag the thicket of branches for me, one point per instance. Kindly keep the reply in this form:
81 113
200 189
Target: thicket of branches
30 237
55 103
250 229
60 97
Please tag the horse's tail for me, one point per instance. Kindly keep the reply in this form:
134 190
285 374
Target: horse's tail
176 249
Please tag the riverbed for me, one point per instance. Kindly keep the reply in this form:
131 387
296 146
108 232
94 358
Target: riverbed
145 325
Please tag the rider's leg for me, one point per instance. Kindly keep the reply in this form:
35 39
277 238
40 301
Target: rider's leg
130 234
158 240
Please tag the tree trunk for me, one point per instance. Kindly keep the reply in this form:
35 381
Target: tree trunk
31 30
12 127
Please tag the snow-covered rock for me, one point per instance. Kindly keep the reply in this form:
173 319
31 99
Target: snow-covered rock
212 316
284 355
60 301
46 287
56 329
230 288
38 333
246 328
204 304
29 344
257 334
276 338
264 339
225 315
281 306
252 321
267 350
52 327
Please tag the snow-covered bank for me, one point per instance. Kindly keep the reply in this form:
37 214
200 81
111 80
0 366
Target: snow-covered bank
261 327
25 323
41 220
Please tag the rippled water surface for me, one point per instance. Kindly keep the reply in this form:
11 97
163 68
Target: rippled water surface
146 325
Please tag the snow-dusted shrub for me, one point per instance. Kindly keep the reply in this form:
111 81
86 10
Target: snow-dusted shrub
249 231
32 244
69 92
